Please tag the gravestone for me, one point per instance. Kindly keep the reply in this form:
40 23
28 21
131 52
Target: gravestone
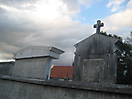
35 61
96 58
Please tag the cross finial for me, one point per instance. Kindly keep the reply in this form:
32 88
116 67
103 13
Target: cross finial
98 25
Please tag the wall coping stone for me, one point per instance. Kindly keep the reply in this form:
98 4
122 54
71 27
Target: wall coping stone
90 86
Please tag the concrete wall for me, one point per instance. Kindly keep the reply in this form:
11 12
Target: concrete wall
93 47
32 68
11 89
6 68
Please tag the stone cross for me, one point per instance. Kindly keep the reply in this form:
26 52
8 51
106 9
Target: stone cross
98 25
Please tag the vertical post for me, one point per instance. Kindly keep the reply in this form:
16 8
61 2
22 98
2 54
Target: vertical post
48 68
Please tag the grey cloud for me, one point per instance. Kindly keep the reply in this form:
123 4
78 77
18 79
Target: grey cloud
73 5
19 4
19 29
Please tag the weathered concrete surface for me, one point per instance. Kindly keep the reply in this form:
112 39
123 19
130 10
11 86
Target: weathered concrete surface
32 68
94 47
6 68
38 51
92 70
21 88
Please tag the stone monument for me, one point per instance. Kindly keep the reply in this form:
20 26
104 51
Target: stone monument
35 61
96 58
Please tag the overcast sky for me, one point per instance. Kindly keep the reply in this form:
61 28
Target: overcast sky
59 23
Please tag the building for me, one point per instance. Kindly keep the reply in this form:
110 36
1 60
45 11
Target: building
61 72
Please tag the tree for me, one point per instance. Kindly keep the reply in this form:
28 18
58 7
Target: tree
110 35
125 63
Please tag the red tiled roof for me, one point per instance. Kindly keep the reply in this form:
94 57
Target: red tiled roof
61 71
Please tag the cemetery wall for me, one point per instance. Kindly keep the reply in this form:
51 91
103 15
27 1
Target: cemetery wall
20 88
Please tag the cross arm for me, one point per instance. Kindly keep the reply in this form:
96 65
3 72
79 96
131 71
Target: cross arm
95 26
102 24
